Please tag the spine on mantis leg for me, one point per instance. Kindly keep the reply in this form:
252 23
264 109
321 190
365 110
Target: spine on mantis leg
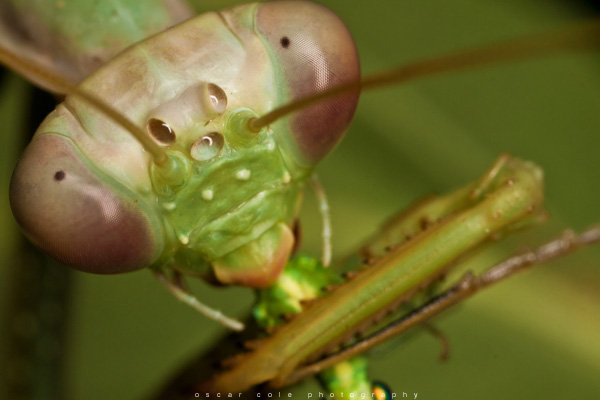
509 194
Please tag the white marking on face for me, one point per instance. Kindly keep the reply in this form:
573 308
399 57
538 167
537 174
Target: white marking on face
207 194
183 239
170 206
243 174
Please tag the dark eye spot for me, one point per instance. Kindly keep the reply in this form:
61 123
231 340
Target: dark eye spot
59 175
285 42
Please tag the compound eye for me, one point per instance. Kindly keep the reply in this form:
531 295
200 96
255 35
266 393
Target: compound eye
313 51
69 211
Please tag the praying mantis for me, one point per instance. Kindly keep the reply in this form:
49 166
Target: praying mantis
396 178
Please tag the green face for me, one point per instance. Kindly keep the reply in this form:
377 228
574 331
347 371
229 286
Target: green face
234 208
88 193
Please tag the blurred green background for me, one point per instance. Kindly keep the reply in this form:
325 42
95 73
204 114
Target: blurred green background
535 336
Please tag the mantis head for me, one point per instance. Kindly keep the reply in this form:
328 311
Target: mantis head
72 204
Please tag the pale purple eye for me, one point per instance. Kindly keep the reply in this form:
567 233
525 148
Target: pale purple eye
65 209
313 52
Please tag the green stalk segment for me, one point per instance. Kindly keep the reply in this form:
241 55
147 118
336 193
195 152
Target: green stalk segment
506 197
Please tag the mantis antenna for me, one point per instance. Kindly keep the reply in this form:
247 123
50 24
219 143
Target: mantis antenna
158 154
580 36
